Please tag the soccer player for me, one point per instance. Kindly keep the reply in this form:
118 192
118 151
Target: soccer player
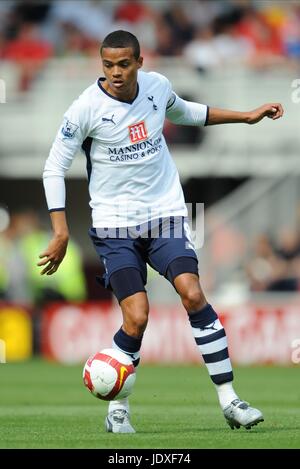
138 207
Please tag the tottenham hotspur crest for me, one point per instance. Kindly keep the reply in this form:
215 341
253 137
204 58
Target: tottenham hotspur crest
69 129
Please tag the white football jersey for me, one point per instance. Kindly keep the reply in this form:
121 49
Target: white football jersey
132 177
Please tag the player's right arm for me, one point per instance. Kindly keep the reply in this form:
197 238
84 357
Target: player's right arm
56 249
66 144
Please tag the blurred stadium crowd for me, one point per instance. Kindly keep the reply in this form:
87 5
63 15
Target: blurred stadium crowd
206 33
275 264
268 263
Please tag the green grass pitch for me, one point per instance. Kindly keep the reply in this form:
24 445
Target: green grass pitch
45 405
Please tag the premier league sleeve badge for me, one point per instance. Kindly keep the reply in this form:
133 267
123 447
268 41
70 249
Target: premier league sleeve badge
69 129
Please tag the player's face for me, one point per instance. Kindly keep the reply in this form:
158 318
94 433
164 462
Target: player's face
120 68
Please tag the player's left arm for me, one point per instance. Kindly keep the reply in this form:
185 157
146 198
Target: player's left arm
224 116
180 111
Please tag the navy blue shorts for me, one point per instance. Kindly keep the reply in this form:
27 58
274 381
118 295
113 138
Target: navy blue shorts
157 243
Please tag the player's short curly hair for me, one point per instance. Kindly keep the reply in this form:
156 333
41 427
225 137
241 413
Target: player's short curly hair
122 39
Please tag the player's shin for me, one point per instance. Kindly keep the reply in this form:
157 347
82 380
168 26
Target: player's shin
211 341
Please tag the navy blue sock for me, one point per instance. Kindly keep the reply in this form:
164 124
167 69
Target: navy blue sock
129 345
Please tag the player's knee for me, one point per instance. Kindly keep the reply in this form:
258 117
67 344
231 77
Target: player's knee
193 299
125 283
135 323
135 311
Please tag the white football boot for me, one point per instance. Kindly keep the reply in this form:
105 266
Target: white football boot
118 421
239 413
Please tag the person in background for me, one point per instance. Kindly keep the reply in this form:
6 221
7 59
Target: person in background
134 187
21 280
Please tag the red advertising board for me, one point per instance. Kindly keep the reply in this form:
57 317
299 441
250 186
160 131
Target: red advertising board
256 333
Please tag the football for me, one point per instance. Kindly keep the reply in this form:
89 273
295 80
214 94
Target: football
109 375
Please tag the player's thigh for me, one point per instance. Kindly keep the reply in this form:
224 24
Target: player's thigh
126 283
125 271
172 252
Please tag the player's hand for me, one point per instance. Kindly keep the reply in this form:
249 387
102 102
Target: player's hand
53 255
272 110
